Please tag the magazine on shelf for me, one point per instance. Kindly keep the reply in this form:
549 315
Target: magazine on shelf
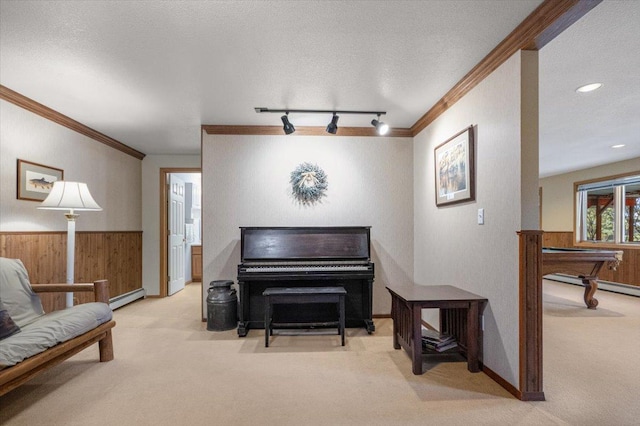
441 348
434 340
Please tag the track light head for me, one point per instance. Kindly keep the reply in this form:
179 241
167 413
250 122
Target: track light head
333 126
381 127
288 127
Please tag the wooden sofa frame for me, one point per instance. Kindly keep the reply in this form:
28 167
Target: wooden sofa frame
16 375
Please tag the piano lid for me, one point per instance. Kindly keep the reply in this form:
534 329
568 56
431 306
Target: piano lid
305 243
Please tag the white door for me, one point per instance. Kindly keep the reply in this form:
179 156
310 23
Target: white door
176 244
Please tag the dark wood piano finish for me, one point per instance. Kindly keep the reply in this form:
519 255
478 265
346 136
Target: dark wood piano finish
305 257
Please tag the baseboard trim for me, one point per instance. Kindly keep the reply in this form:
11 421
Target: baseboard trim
123 299
522 396
627 289
532 396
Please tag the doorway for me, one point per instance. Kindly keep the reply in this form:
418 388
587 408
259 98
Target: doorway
180 228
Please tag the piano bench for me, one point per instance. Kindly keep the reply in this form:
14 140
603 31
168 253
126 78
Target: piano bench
302 295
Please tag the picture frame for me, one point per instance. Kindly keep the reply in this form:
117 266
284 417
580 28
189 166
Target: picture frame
35 181
455 169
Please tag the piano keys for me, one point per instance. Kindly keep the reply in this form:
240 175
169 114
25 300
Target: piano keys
305 257
306 268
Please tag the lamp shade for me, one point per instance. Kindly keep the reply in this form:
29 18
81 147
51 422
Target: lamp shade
70 196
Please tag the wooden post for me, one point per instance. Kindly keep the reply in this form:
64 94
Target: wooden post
101 291
530 303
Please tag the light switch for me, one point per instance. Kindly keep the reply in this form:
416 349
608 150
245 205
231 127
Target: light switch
480 216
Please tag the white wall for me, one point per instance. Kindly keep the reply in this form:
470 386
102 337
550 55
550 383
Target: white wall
151 165
113 177
245 182
450 247
558 196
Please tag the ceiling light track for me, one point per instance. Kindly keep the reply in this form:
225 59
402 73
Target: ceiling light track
332 127
319 111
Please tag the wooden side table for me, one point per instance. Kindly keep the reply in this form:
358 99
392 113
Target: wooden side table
460 316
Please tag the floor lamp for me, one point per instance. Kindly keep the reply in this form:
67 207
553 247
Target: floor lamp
71 196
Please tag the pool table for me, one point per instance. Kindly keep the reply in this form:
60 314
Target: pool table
585 263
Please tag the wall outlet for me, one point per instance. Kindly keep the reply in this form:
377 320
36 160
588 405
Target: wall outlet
480 216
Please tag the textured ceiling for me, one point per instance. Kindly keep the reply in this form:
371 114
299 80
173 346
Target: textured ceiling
578 130
149 73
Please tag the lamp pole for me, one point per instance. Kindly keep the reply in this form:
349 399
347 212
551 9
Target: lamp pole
71 249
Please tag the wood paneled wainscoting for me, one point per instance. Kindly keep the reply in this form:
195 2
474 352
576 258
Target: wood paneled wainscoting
114 256
628 272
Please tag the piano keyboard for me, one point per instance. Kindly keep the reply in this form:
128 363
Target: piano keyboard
306 268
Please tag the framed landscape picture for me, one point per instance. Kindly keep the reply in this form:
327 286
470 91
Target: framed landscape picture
36 180
454 169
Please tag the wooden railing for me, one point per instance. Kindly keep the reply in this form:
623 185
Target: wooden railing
114 256
628 272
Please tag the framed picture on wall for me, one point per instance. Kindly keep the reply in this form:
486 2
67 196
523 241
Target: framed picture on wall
454 169
36 180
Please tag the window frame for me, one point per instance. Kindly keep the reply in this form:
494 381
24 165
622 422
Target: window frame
618 183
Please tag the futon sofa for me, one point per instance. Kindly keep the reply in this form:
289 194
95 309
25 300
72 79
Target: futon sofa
31 341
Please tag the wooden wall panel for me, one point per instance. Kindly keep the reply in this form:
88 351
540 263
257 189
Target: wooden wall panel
557 239
628 271
124 262
114 256
89 263
39 253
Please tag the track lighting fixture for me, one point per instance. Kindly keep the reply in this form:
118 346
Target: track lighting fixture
381 127
288 127
332 127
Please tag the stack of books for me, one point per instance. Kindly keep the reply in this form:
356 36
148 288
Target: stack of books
433 340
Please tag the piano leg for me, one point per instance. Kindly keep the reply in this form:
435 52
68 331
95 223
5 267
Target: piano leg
243 326
242 329
267 321
367 308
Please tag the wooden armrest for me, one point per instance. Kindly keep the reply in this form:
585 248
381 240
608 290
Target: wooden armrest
99 288
56 288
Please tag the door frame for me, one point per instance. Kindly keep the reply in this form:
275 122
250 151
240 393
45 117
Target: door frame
164 222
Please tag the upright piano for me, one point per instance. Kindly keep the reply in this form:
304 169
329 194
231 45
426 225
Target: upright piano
305 257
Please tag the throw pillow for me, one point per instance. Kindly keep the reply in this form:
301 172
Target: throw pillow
7 326
16 295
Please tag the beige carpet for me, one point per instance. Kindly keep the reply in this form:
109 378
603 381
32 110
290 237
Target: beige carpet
169 370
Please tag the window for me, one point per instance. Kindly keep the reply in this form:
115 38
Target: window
632 213
609 210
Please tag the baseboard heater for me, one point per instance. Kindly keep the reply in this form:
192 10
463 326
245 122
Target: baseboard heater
123 299
627 289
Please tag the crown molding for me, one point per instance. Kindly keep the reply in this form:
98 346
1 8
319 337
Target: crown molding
539 28
50 114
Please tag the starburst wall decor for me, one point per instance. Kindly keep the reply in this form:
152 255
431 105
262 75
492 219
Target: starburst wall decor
308 183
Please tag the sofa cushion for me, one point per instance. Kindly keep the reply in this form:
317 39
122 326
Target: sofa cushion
7 326
51 329
17 296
